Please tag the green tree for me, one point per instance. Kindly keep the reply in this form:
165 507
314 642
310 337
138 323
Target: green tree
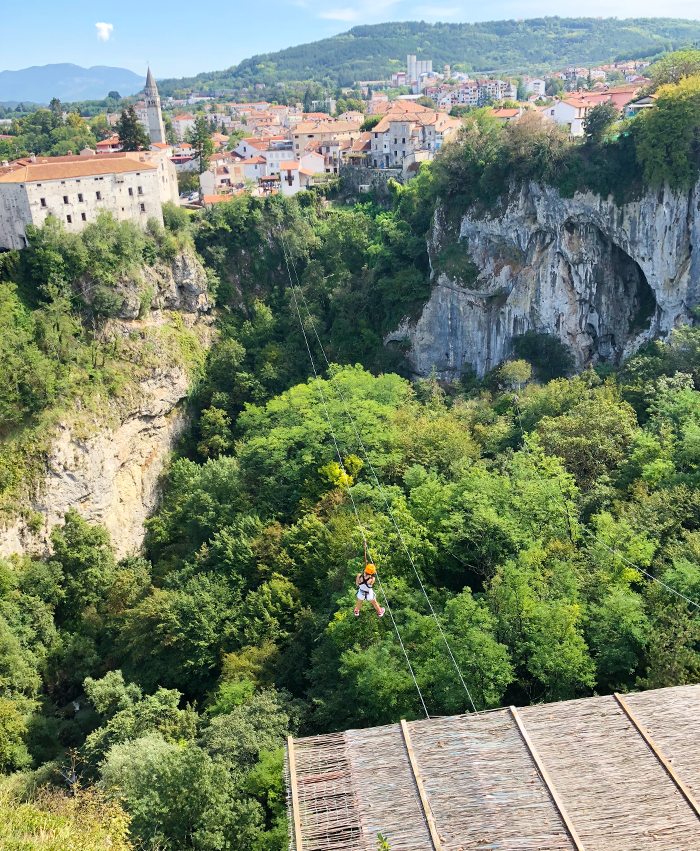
200 139
131 134
675 67
100 127
86 559
178 797
597 123
668 135
57 110
13 752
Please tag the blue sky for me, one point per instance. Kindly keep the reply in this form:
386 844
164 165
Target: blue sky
182 38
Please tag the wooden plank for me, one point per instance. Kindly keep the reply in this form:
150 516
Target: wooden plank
558 802
670 770
421 789
295 793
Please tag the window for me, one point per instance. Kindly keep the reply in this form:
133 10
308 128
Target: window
63 183
83 217
131 190
140 190
98 196
80 198
403 141
69 220
43 201
65 199
396 141
143 208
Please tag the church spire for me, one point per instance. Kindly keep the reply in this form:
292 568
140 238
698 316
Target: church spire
150 88
154 118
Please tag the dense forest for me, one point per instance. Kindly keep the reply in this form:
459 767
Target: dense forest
144 701
374 52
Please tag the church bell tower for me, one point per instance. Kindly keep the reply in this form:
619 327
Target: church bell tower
156 130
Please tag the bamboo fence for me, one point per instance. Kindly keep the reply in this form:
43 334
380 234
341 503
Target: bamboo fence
482 785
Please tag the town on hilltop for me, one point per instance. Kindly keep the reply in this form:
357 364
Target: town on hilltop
150 152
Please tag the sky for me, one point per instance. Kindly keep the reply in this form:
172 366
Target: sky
182 39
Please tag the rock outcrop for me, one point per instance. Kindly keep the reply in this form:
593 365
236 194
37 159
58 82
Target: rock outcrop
602 278
110 473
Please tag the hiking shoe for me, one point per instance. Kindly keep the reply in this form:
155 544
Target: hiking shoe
357 612
381 612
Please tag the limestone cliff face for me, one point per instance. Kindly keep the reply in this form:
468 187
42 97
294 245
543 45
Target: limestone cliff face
600 277
110 472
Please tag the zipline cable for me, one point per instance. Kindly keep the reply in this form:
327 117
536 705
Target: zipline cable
365 453
588 532
346 481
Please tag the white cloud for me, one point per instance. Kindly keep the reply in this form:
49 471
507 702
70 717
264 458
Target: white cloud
339 15
104 31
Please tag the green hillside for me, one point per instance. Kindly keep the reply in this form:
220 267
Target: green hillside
373 52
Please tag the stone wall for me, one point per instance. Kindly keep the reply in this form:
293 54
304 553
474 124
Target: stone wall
375 178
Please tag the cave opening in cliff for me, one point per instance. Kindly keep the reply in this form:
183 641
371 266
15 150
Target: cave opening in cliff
639 299
622 304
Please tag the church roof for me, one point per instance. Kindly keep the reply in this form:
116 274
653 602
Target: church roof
150 82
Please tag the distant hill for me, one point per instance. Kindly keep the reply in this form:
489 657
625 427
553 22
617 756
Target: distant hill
67 82
373 52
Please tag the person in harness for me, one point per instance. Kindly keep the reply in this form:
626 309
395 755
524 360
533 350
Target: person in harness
364 582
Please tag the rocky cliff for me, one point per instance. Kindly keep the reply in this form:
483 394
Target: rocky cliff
108 467
602 278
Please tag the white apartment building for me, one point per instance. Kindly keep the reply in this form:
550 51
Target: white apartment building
74 189
536 87
181 124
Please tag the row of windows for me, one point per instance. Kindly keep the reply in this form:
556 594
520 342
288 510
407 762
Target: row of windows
98 196
83 216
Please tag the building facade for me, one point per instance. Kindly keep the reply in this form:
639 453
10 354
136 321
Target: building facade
74 189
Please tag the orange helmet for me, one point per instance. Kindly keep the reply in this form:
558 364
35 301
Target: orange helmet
370 569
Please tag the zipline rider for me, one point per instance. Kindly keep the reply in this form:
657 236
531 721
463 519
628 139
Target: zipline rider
364 582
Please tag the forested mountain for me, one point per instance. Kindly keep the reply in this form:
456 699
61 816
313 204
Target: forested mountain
538 506
376 51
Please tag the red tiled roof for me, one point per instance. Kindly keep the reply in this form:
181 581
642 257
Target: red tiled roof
290 166
56 168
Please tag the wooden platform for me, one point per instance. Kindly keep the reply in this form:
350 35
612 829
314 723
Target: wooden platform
617 773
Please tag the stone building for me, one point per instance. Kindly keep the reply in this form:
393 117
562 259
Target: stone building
74 189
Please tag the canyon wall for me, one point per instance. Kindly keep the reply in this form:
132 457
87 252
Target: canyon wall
110 472
601 278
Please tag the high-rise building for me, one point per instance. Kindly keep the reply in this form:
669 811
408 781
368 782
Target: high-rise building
154 118
414 68
411 68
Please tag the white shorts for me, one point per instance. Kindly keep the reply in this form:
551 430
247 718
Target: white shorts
364 592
